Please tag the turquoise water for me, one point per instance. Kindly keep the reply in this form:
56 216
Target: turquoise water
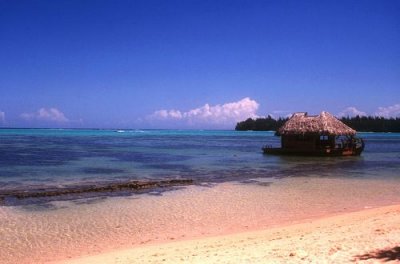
257 191
31 158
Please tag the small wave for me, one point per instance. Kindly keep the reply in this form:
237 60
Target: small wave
130 131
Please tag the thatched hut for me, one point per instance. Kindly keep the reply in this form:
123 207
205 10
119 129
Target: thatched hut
323 134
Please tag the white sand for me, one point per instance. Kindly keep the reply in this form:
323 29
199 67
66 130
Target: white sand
77 228
368 236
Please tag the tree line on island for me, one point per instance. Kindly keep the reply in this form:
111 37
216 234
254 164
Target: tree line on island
359 123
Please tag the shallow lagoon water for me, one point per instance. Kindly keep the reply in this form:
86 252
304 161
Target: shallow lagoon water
55 157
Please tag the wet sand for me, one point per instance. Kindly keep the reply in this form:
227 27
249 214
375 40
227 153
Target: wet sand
63 230
368 236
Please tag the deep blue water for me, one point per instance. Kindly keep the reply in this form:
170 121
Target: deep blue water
54 157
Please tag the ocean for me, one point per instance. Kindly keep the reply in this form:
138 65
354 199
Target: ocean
48 158
235 188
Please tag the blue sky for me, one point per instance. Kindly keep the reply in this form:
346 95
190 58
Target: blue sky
194 64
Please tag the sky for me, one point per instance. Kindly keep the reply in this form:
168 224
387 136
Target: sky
194 64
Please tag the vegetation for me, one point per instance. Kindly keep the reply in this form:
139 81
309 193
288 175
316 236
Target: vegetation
372 124
359 123
261 124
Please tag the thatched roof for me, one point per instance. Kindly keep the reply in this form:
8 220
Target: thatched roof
323 124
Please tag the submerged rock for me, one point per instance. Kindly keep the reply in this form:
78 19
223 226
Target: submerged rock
87 189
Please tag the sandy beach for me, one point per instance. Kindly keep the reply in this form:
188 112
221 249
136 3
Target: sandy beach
368 236
286 220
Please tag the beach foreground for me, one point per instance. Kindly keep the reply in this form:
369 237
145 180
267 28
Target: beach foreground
278 220
367 236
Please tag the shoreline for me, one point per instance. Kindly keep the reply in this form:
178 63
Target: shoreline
366 235
63 230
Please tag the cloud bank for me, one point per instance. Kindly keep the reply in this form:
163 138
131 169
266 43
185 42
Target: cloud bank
351 111
46 114
383 111
216 115
389 111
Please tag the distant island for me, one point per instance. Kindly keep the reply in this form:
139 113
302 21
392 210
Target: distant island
359 123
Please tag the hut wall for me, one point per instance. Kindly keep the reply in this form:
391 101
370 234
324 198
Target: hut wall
298 142
325 142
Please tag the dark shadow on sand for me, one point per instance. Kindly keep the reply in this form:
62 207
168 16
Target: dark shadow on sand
383 255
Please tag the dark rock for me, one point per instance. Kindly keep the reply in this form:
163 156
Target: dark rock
83 189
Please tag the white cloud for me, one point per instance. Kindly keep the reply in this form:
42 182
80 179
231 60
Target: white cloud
2 117
389 111
351 111
46 114
226 114
279 114
167 114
